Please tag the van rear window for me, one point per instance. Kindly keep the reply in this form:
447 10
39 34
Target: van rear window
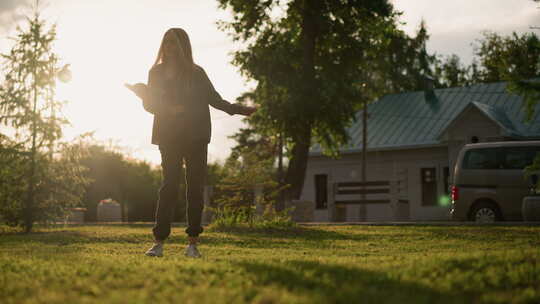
481 159
519 157
500 158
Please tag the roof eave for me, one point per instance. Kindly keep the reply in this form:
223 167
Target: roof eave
386 148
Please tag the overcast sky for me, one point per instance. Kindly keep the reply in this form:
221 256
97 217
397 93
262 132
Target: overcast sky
109 43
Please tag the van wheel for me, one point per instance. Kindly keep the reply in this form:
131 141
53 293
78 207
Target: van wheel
485 212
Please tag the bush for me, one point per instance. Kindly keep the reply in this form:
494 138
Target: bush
235 201
229 218
59 183
132 183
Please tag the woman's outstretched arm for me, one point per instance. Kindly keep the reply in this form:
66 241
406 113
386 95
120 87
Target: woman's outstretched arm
215 100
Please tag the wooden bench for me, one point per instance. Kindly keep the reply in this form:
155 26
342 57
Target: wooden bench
364 189
367 193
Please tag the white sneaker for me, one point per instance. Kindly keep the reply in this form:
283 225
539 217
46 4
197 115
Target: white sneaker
192 251
155 251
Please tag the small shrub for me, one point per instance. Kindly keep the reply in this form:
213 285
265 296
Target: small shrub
237 218
60 183
235 201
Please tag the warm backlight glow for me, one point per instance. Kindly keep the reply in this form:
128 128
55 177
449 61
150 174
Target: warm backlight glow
110 43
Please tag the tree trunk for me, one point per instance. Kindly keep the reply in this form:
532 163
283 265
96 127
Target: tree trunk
308 94
29 208
296 171
302 139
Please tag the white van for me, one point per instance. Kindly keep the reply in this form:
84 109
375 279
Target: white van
489 180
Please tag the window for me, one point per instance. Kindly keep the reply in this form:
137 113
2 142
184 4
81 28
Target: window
429 186
519 157
481 159
321 191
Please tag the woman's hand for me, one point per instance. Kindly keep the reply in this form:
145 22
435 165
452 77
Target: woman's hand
245 110
140 89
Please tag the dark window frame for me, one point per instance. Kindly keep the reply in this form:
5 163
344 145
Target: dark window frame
496 166
432 183
500 156
321 191
532 149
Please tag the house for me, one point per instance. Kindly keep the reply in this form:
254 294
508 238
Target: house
412 143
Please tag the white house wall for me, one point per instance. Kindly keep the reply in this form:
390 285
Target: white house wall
381 165
472 123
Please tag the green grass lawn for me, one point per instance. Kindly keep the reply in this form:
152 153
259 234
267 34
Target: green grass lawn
316 264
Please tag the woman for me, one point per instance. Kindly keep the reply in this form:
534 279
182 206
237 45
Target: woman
178 94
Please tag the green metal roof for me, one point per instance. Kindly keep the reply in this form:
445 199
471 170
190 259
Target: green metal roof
410 119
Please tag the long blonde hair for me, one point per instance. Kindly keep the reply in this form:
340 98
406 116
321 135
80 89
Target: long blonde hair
185 57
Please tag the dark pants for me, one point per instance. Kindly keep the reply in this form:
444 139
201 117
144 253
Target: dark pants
194 154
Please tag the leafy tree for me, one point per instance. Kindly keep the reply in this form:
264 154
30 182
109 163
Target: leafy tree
530 91
451 72
139 191
132 183
29 108
12 181
250 141
508 57
61 182
105 170
403 64
514 58
307 57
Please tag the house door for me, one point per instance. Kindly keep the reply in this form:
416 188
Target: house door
429 186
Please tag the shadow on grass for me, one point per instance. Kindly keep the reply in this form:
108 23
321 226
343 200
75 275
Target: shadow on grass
485 233
298 232
267 237
245 238
65 237
299 237
327 283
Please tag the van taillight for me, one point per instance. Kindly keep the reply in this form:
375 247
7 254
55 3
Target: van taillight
455 193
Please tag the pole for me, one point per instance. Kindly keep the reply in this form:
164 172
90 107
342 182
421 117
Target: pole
364 141
280 170
362 208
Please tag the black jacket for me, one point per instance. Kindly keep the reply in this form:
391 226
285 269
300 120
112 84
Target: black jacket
194 123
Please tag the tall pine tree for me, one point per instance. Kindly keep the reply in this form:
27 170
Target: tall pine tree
30 110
